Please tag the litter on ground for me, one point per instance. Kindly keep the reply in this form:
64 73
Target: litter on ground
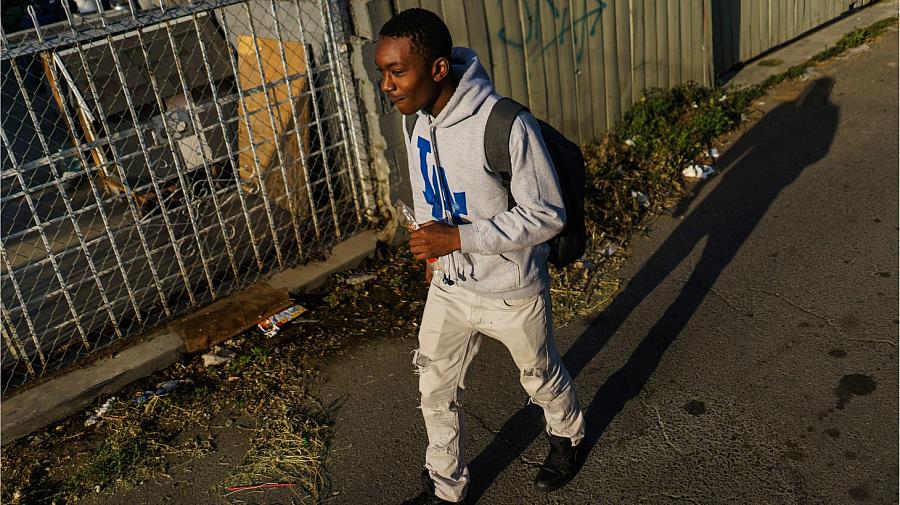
642 199
272 325
95 417
162 389
217 357
609 249
698 171
359 279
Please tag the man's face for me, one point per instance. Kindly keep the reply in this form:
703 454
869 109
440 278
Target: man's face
409 80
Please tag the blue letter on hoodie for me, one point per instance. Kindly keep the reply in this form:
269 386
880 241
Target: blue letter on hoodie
438 180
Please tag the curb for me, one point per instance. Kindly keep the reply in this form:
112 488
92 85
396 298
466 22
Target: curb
69 393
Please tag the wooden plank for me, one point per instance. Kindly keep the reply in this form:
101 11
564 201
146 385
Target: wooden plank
493 17
791 14
755 32
807 14
478 34
534 63
719 37
611 65
597 73
674 41
638 53
772 13
230 316
546 51
651 61
814 14
745 48
623 42
783 33
577 36
662 45
564 49
685 56
581 34
709 66
763 20
510 37
455 17
698 53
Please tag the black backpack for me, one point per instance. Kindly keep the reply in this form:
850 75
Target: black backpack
568 161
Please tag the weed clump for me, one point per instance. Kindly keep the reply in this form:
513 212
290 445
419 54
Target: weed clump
666 130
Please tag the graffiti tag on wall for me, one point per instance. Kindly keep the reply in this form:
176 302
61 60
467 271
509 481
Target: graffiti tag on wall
565 26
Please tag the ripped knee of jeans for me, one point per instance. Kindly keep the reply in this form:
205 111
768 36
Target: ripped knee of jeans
539 385
537 372
421 362
443 401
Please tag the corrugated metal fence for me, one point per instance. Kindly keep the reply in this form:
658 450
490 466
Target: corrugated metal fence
158 157
579 64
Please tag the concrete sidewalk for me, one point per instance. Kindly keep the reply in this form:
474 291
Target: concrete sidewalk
751 356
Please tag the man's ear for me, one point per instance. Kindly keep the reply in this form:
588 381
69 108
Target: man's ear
440 69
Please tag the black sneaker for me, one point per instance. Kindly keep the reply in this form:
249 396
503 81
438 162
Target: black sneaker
427 497
559 467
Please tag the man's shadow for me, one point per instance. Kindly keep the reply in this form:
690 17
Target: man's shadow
766 159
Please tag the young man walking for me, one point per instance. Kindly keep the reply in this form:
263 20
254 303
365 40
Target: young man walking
492 277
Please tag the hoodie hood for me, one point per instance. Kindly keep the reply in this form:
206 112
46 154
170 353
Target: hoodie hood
473 88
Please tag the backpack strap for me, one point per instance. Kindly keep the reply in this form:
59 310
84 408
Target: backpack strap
496 140
409 124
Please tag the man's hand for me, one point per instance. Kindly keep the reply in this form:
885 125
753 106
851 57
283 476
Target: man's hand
433 240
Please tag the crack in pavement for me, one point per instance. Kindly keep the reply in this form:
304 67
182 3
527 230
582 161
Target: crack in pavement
662 425
824 318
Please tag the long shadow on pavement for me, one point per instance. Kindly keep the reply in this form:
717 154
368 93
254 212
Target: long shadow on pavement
768 158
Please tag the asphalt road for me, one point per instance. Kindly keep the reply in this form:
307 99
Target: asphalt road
751 356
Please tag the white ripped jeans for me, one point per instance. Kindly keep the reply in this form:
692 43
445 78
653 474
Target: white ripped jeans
453 324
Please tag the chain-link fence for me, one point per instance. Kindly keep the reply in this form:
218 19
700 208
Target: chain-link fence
156 157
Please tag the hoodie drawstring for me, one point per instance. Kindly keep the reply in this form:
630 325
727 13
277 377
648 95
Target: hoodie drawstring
437 161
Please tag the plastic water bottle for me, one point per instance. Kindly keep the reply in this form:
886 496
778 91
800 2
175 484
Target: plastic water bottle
408 219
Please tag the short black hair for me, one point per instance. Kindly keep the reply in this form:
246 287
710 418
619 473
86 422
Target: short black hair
427 30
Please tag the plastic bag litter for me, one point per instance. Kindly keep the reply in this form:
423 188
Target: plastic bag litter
609 249
96 416
359 279
162 389
642 199
217 357
698 171
713 153
272 325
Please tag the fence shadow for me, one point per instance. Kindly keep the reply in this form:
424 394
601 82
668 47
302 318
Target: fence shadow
767 158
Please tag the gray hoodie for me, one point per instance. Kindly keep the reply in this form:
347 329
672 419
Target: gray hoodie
503 252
